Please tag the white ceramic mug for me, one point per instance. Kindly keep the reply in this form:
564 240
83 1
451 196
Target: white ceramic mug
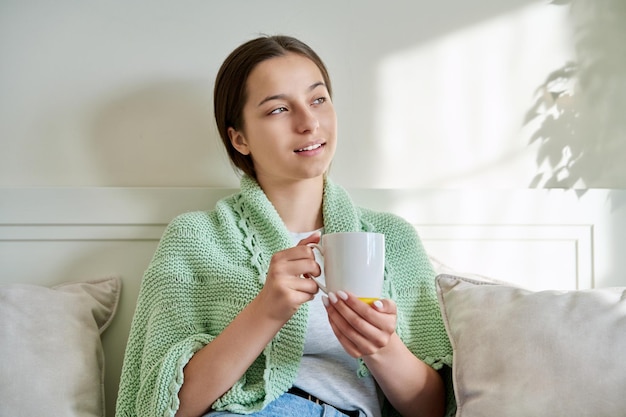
354 262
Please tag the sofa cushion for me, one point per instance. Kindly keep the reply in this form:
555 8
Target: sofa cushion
523 353
51 357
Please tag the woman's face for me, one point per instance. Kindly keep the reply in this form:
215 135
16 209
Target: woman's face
290 125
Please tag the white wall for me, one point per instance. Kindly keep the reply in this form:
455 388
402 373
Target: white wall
429 94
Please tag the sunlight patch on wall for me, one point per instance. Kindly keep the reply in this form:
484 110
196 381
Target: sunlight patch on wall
451 111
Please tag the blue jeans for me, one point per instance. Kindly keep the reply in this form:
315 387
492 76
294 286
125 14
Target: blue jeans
288 405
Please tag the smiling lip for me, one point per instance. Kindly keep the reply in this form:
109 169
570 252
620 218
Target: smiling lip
309 148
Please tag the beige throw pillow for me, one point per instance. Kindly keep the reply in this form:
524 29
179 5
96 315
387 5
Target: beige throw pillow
51 357
519 353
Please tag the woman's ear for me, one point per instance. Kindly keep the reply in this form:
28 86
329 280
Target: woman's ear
238 140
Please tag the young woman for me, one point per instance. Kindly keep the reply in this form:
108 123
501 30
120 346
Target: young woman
225 324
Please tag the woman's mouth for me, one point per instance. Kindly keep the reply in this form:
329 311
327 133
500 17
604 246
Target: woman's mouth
310 147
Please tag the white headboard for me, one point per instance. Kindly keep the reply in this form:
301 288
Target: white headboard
537 238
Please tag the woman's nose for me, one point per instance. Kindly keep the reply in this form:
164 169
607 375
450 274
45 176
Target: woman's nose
307 121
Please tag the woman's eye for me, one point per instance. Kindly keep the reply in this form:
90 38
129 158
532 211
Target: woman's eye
278 110
319 100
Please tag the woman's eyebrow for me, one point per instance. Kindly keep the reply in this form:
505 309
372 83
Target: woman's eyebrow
317 84
283 96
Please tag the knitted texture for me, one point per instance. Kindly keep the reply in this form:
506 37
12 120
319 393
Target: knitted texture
210 265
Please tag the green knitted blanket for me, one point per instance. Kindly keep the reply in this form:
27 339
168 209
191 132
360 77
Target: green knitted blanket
210 265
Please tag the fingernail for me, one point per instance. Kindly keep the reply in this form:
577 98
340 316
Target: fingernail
342 295
333 297
378 304
325 300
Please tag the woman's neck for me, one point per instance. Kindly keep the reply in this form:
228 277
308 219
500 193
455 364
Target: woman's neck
299 204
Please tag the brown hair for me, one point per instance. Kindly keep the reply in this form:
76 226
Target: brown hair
230 95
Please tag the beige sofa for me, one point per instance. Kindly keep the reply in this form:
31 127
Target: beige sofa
517 352
51 355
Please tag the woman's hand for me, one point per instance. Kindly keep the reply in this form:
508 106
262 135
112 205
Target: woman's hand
368 332
285 290
362 329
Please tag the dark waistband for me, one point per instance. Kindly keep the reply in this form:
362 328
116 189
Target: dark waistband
303 394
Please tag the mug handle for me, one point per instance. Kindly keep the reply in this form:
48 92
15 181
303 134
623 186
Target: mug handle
317 279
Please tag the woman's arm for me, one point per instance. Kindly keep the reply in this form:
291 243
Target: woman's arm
216 367
411 386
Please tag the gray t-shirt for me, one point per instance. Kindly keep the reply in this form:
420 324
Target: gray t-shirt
326 370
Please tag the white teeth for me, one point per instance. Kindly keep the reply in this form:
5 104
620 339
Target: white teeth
309 148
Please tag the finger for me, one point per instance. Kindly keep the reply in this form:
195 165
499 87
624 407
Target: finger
350 347
295 261
366 328
350 320
293 254
312 238
304 284
350 327
303 268
292 275
377 313
385 305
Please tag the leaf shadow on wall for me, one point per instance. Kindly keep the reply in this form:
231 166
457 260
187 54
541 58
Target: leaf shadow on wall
160 134
578 110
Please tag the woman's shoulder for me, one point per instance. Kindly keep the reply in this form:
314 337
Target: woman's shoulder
387 223
220 218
